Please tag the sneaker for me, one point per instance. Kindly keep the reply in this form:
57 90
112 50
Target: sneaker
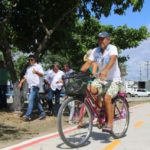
41 117
26 118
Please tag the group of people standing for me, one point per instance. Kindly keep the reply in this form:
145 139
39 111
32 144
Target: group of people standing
52 80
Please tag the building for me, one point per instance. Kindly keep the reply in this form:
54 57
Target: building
131 86
147 85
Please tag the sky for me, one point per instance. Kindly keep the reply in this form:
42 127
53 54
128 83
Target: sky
136 65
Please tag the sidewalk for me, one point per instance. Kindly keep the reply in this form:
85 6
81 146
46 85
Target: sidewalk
139 125
138 99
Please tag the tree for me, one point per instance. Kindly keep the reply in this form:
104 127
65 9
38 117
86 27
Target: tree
84 37
39 25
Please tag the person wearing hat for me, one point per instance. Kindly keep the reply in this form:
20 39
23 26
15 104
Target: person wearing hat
106 56
93 69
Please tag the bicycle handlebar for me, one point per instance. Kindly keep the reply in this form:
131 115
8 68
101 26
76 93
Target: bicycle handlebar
83 75
76 75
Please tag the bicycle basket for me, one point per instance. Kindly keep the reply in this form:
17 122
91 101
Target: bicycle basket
76 86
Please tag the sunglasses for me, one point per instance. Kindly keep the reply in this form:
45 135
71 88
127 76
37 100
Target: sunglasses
31 59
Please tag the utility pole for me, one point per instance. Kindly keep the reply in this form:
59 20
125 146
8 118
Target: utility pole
147 68
140 73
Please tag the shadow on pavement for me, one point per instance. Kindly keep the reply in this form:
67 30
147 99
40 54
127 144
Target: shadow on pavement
95 136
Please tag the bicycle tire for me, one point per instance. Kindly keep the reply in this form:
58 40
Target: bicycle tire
73 140
121 114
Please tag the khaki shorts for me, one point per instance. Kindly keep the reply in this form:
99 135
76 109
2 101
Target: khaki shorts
111 88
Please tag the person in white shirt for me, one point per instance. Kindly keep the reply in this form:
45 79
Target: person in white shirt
67 69
106 56
54 80
32 76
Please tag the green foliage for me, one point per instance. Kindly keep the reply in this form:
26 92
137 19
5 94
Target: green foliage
129 37
52 27
30 20
104 7
20 64
84 37
49 58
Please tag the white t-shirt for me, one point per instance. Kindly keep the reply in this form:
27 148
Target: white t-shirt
103 60
52 78
69 72
33 79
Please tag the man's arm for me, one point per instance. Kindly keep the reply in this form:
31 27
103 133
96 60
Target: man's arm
38 73
21 82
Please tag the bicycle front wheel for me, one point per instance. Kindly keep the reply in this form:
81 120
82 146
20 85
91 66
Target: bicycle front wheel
121 117
74 122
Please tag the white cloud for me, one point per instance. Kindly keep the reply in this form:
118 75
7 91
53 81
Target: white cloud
136 63
148 26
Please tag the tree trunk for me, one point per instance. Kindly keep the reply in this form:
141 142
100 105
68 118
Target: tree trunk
49 32
16 106
9 63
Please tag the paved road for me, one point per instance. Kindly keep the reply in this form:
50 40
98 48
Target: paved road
137 138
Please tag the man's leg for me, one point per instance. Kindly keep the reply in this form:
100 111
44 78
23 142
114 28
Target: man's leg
57 97
31 101
111 92
57 101
50 100
109 110
39 105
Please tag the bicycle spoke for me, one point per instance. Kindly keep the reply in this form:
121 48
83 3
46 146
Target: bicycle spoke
121 118
74 122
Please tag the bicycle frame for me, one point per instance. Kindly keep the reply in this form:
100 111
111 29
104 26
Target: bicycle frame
93 103
96 109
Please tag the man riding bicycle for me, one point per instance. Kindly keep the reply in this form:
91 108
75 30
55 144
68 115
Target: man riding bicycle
106 56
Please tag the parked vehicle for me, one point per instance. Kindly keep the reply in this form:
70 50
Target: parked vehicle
130 92
141 93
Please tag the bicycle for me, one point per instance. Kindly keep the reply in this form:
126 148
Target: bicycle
71 133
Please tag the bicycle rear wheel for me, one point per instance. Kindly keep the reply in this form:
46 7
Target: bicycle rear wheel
121 117
71 113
